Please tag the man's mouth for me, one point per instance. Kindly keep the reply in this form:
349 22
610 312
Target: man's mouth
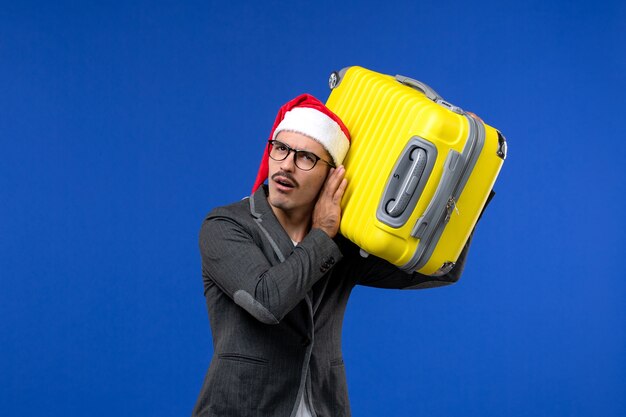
284 180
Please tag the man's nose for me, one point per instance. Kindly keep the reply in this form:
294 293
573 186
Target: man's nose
288 164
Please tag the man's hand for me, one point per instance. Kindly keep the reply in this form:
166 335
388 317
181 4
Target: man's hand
327 211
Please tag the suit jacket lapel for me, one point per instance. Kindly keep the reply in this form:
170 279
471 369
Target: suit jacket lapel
264 216
274 232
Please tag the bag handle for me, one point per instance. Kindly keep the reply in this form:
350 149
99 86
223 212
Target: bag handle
420 86
412 173
428 92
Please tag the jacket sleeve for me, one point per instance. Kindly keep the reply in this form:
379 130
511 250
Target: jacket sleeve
379 273
267 290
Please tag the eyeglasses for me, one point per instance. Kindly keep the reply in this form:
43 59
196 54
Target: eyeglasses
304 160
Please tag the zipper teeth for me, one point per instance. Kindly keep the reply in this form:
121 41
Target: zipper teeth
470 156
453 195
427 240
438 224
456 190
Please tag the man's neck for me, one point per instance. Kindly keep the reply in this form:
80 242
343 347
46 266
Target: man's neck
296 223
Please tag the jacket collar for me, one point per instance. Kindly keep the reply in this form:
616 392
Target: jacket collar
262 212
259 206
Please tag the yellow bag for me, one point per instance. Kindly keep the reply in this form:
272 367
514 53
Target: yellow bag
419 169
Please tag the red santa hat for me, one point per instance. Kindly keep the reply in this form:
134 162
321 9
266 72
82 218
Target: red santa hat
307 115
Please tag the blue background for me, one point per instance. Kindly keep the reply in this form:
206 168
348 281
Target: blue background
123 123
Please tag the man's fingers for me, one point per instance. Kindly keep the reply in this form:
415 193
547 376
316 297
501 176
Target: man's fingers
336 178
340 190
341 185
327 212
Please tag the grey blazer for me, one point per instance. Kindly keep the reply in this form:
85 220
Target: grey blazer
276 312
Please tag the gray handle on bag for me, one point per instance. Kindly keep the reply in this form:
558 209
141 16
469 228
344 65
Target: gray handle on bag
406 182
429 92
420 86
396 206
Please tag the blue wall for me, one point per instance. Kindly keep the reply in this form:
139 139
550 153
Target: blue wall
123 123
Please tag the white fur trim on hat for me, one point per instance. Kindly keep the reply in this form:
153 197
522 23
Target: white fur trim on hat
318 126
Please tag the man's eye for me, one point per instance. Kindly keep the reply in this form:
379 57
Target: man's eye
307 156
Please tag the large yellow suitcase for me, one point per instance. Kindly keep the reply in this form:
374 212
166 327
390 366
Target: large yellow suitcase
419 169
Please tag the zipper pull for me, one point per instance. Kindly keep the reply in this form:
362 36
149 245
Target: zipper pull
450 207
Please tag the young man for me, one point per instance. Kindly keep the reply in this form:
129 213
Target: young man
277 277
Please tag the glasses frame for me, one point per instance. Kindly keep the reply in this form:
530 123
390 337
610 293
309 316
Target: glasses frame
271 143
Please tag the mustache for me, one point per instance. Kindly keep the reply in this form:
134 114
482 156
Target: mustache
286 175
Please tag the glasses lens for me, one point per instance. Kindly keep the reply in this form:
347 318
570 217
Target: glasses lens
278 150
305 160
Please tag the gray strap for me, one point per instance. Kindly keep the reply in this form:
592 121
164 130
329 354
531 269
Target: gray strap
258 220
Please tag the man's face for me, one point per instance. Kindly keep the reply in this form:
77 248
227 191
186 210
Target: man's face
290 188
